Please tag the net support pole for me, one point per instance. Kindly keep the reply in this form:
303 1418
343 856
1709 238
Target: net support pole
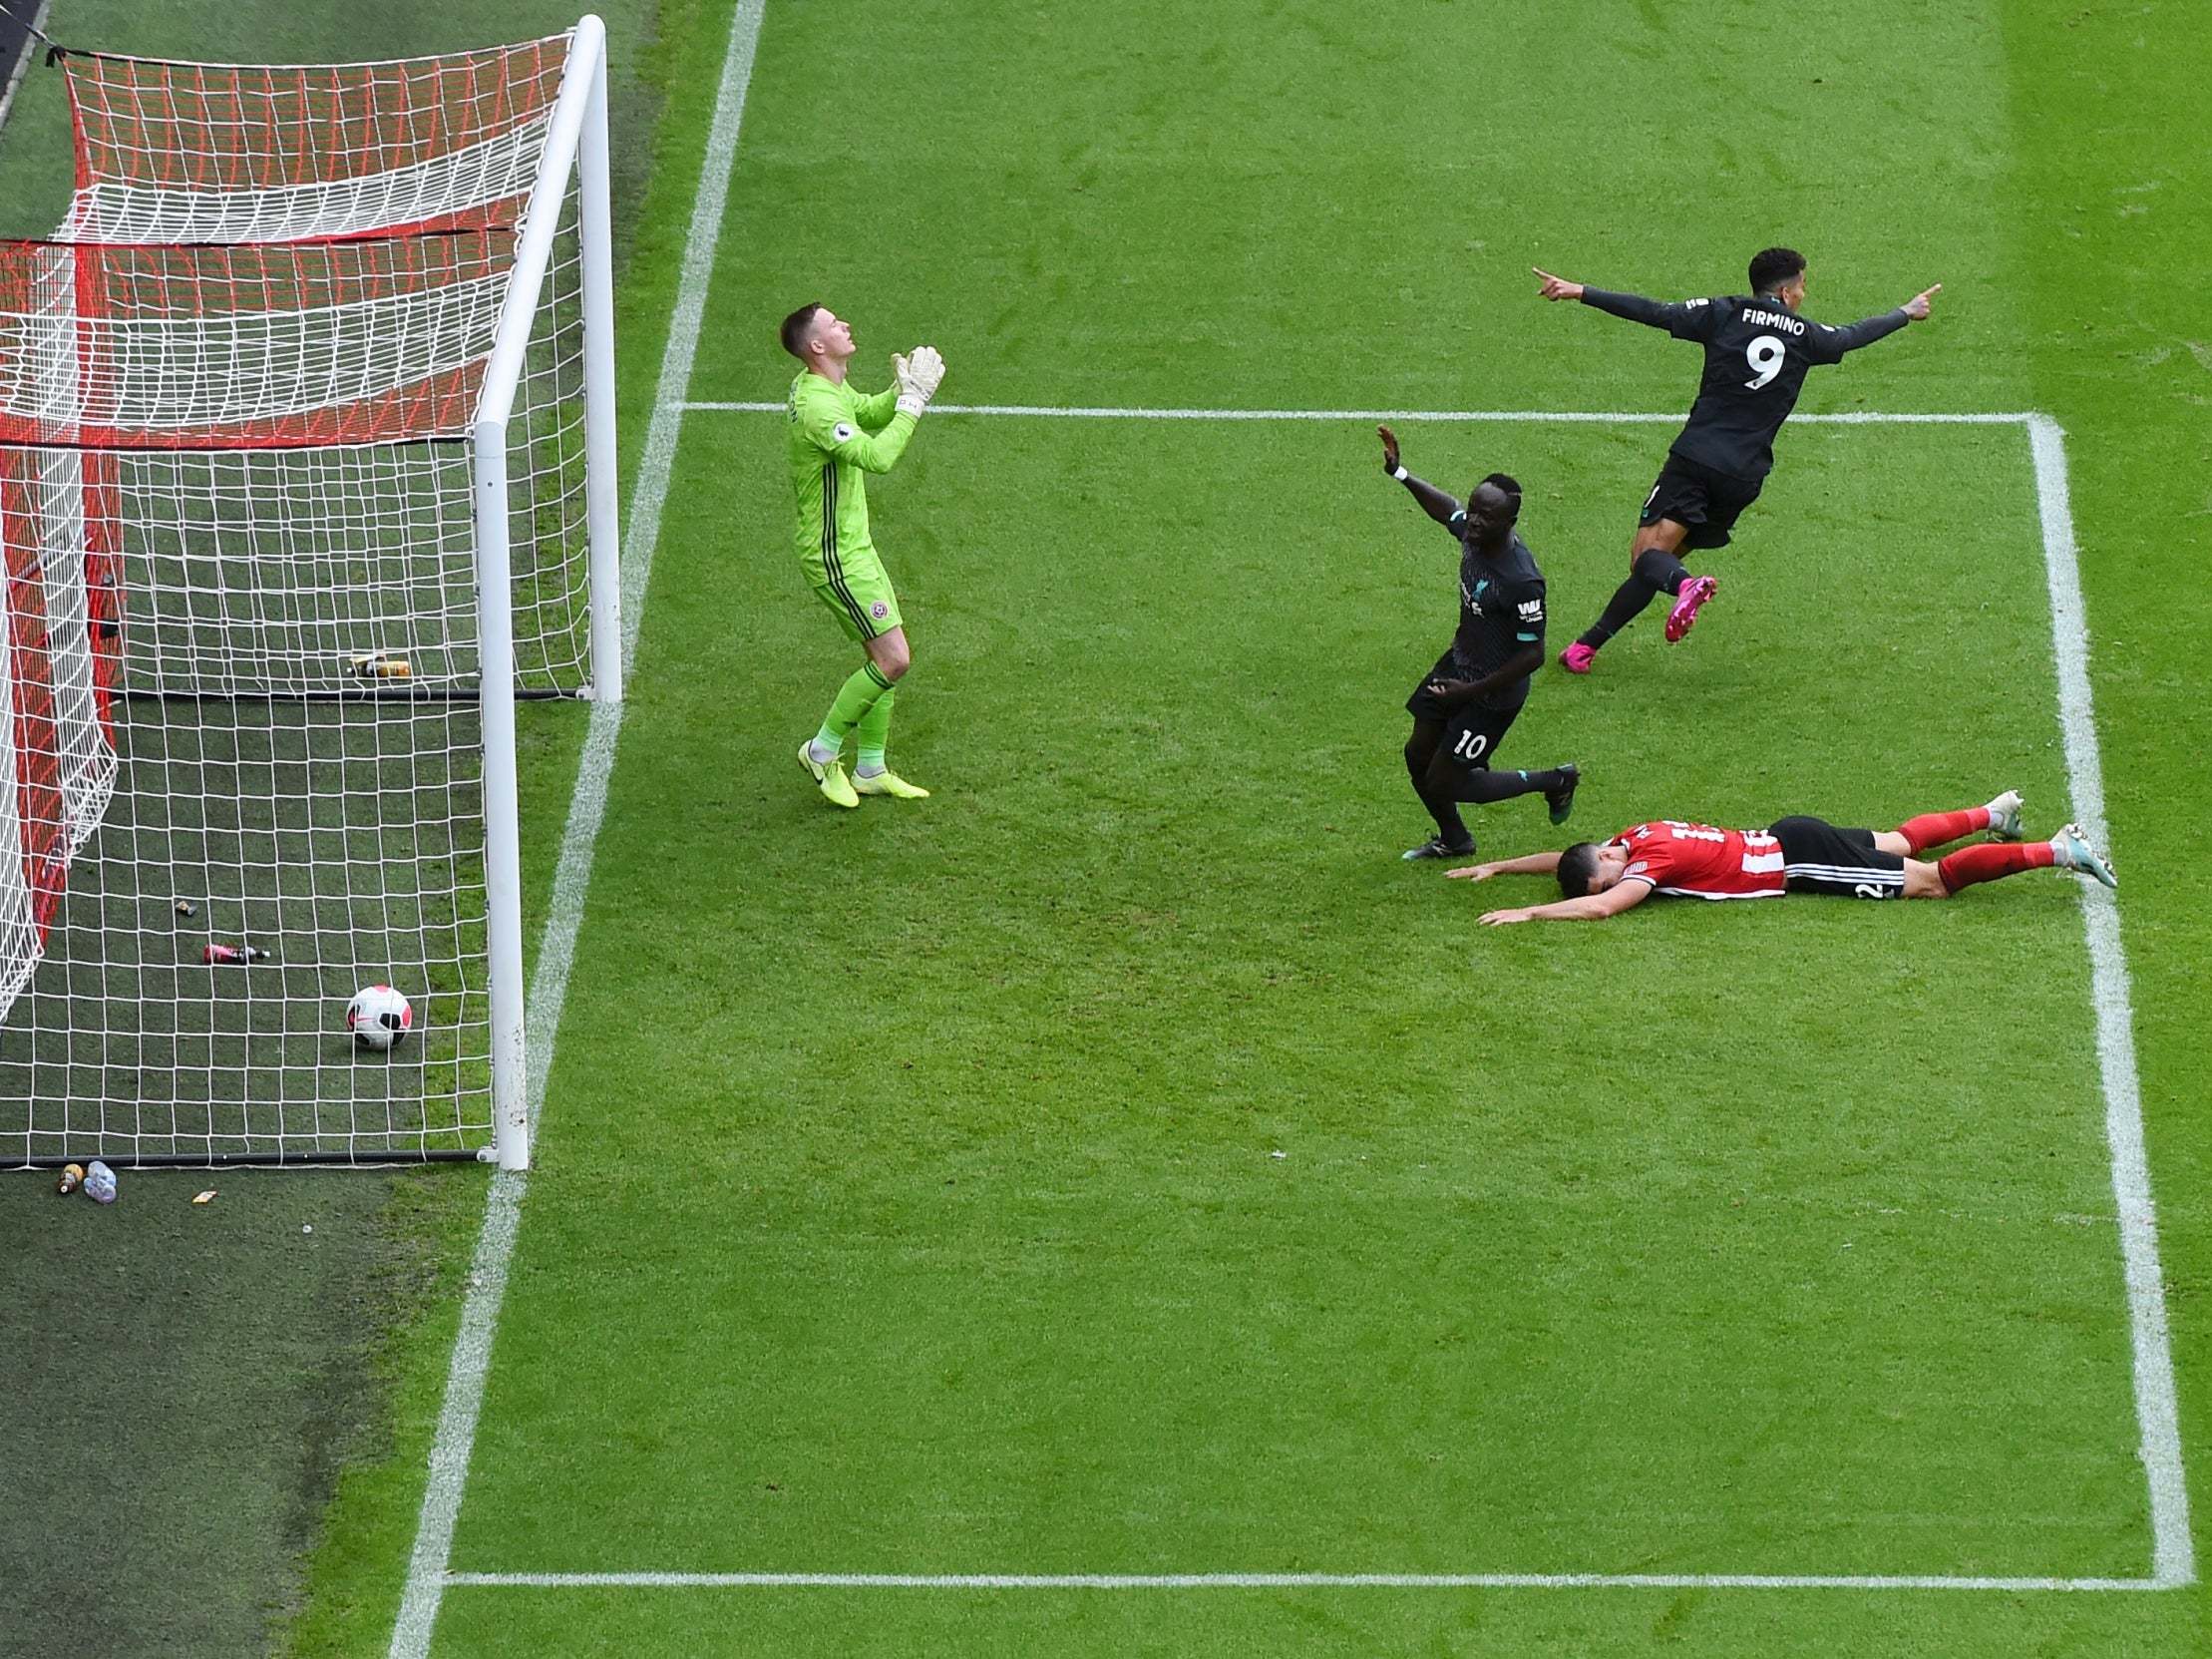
503 842
602 512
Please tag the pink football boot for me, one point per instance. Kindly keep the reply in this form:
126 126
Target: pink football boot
1696 591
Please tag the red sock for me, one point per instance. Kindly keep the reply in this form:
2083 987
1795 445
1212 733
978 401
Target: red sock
1932 829
1990 860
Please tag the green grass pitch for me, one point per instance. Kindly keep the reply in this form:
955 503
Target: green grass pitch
1121 1163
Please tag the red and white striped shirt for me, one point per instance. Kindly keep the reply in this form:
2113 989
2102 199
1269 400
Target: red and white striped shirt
1702 862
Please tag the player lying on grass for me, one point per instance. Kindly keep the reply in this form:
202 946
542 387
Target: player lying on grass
1793 855
1757 350
1465 705
838 436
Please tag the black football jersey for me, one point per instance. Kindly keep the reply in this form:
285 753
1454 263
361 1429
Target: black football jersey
1501 612
1756 353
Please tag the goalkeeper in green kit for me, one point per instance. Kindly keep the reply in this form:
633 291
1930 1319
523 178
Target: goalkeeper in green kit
837 436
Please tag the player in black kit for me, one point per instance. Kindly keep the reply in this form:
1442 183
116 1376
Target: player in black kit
1464 707
1757 349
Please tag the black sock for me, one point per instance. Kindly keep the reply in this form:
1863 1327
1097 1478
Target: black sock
1626 604
1656 572
1437 787
1662 570
1451 829
1486 786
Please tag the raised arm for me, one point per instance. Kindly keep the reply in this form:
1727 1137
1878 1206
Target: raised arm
876 450
1439 505
826 427
875 412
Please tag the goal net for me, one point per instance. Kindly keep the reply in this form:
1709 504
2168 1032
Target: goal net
306 474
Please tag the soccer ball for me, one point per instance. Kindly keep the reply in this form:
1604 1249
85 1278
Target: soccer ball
377 1016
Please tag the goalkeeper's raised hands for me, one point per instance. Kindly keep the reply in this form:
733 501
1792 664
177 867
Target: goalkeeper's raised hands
919 373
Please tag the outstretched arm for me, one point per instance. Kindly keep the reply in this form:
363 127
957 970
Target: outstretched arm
1439 505
1528 863
1590 907
1680 318
1829 344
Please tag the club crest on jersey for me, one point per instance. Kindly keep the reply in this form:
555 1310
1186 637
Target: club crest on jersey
878 610
842 432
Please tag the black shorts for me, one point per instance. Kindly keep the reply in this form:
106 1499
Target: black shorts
1706 501
1817 857
1471 734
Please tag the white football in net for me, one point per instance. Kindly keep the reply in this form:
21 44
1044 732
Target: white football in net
379 1017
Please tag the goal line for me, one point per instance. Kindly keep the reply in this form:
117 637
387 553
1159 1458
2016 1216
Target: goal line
2172 1563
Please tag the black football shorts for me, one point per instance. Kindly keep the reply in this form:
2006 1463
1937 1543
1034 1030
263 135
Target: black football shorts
1472 733
1706 501
1817 857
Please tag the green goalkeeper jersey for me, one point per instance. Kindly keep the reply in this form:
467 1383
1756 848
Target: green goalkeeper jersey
837 436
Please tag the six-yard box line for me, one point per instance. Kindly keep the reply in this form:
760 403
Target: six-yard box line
2173 1560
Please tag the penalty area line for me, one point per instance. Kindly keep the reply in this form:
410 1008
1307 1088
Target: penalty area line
1282 1581
1570 417
2172 1557
2159 1449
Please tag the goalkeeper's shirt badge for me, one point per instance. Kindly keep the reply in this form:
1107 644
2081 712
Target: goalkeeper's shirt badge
840 432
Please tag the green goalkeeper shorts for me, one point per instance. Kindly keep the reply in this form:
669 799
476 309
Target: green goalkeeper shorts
855 589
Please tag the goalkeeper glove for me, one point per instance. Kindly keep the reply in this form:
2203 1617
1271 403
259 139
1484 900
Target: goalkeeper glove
919 375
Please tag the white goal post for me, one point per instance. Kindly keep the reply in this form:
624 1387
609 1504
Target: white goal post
307 472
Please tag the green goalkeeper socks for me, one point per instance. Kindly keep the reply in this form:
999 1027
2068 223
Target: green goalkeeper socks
856 702
876 733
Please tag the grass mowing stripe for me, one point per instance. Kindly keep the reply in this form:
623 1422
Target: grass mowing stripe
456 1419
2174 1559
1282 1581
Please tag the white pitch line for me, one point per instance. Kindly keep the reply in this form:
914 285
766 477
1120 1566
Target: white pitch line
1279 1581
450 1453
1580 417
2173 1557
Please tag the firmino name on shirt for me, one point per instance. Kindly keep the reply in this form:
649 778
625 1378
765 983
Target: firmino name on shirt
1773 319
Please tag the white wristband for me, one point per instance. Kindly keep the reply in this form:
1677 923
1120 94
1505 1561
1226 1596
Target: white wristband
1400 473
913 404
